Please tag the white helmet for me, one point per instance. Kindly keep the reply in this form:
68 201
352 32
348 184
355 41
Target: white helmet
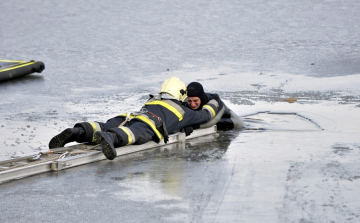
174 87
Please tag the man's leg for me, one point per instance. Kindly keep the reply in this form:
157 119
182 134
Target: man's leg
83 132
66 136
133 132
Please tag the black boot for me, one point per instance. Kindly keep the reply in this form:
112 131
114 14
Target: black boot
108 142
66 136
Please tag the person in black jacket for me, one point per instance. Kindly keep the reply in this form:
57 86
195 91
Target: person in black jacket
161 115
196 98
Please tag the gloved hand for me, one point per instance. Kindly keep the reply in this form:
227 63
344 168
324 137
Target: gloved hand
188 130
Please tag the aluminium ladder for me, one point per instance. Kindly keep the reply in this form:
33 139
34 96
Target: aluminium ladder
80 154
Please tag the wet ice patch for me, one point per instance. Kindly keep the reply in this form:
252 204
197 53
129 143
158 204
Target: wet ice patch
344 149
322 191
17 154
227 78
94 89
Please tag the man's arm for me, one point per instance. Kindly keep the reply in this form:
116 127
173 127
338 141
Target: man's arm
229 120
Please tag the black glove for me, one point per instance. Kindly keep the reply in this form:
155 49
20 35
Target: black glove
188 130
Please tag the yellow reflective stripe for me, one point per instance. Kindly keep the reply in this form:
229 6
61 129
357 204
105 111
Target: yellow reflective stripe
166 105
126 130
209 108
95 129
15 61
147 121
23 65
94 126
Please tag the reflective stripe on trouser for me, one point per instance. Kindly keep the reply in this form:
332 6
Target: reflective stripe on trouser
96 127
90 129
130 139
145 119
134 132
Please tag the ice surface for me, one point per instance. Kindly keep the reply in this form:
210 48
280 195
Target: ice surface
295 162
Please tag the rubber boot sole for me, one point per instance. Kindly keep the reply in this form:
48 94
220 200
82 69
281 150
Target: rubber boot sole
107 147
61 139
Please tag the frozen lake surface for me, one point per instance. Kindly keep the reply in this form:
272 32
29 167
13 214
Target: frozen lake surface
295 162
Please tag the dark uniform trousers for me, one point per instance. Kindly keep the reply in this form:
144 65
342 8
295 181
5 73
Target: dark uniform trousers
132 132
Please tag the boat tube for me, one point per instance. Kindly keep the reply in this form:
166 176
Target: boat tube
10 69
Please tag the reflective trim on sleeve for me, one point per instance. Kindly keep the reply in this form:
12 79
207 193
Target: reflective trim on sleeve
214 120
210 109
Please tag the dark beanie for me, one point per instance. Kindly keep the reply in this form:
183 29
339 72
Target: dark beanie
195 89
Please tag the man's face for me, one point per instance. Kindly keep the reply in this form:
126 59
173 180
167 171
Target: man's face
194 102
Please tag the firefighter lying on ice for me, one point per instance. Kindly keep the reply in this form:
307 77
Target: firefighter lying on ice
160 115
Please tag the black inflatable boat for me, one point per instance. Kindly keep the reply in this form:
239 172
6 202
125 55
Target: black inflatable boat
10 69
